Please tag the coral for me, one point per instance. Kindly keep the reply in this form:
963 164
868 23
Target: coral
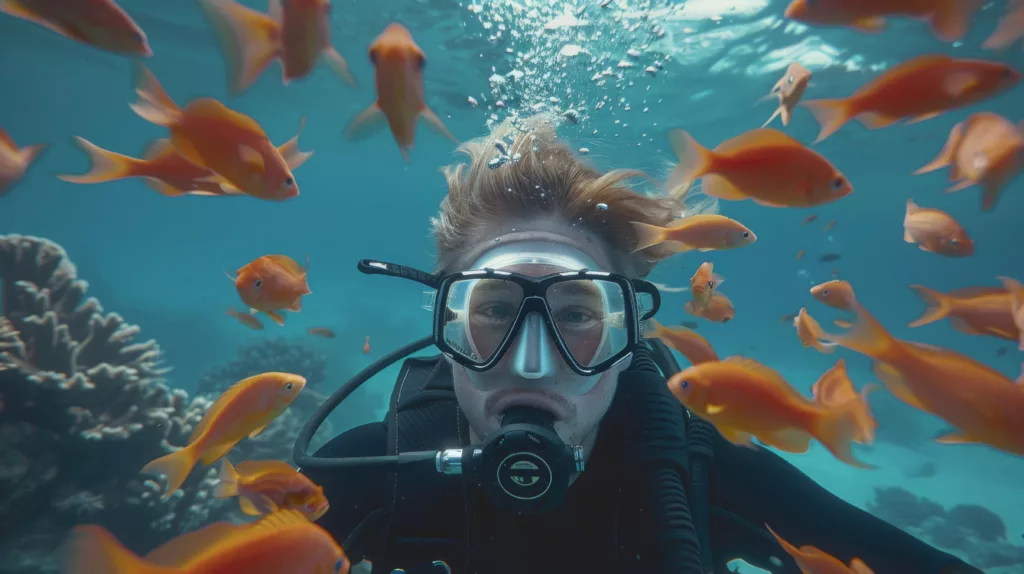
84 407
975 533
274 355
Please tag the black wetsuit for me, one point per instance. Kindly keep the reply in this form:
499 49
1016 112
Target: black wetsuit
601 527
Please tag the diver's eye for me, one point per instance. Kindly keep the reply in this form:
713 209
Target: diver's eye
746 235
257 283
339 565
289 386
838 183
824 292
288 182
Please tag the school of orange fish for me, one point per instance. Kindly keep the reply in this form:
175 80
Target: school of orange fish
213 150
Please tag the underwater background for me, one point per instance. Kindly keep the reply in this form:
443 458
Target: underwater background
622 75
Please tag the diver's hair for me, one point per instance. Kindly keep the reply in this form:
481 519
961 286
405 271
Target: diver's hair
543 177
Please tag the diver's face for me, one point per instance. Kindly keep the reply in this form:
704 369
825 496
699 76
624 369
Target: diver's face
533 373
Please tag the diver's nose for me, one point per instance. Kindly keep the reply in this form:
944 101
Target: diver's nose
533 358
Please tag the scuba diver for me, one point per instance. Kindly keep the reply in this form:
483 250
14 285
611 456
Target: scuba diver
544 438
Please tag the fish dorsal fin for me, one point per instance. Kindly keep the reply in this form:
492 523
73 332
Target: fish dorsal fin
973 292
290 265
760 137
6 140
912 207
158 148
253 467
756 368
834 387
210 108
279 520
183 549
214 411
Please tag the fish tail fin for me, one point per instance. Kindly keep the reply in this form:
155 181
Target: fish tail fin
775 114
28 154
106 165
1008 30
249 39
838 427
831 114
175 467
647 235
939 305
951 19
867 336
154 104
228 485
695 160
945 157
339 66
92 549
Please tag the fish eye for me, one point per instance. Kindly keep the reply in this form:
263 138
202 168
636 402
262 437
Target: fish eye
289 386
288 182
373 57
824 292
746 235
339 565
792 79
711 284
684 384
257 283
421 61
837 183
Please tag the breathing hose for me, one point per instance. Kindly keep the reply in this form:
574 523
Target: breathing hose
654 435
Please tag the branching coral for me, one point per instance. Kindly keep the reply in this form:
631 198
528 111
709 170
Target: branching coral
974 532
84 406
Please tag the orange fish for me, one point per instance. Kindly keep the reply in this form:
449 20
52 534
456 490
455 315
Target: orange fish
800 254
974 310
836 294
695 348
1017 308
830 225
14 161
810 219
321 332
984 149
935 231
366 346
789 91
918 89
1010 28
718 308
272 283
765 165
298 32
243 410
227 142
246 319
165 170
834 389
949 19
811 560
703 232
265 486
744 399
983 404
807 330
284 541
98 23
399 66
704 282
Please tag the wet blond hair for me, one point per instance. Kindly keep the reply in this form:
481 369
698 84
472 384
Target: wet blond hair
548 180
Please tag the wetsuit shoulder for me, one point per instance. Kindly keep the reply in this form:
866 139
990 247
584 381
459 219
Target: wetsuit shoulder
354 494
763 488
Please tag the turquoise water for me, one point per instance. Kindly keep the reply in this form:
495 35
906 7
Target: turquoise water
160 261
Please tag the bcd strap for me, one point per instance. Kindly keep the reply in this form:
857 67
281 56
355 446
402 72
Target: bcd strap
416 535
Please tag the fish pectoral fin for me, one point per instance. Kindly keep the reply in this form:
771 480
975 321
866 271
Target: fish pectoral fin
955 437
296 305
252 159
257 431
714 409
339 66
162 187
873 25
268 503
435 123
923 117
248 508
907 236
767 203
956 84
796 441
366 123
962 185
736 436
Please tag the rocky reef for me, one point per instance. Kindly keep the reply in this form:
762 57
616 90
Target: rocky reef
973 532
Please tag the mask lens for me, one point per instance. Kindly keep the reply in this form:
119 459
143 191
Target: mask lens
589 315
480 314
